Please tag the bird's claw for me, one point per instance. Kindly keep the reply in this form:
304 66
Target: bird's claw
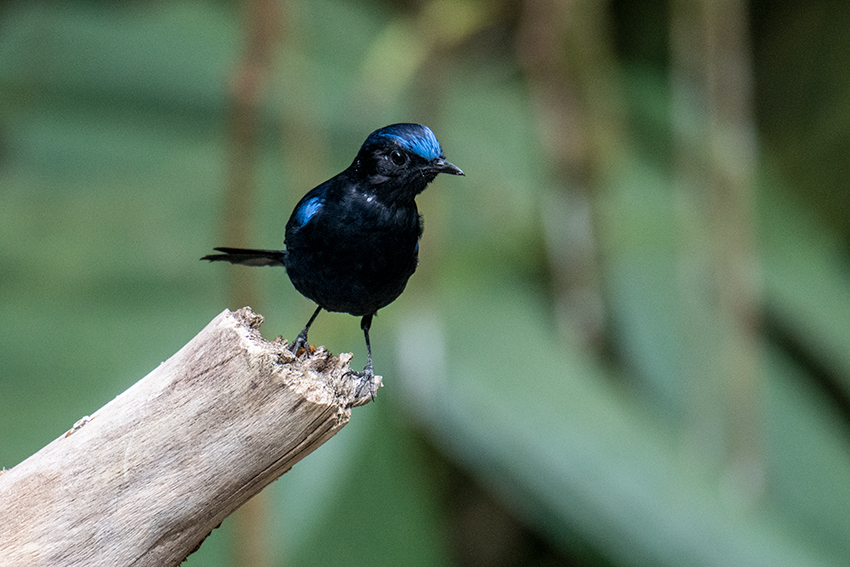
366 379
299 343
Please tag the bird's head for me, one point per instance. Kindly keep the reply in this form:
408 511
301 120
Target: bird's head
401 159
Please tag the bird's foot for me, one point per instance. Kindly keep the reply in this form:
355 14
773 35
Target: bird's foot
367 385
299 343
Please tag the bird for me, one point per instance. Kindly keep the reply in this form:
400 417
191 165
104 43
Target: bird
352 242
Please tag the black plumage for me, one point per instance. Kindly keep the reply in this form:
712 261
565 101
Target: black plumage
353 242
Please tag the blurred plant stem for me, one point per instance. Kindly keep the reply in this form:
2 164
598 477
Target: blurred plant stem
715 151
564 47
263 29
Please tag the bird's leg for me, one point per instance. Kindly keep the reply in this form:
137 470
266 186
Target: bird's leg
368 376
301 340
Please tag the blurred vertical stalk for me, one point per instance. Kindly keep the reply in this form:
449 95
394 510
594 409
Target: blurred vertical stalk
263 30
565 49
716 159
262 24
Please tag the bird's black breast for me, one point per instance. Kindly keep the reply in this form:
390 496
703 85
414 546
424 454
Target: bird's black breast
348 251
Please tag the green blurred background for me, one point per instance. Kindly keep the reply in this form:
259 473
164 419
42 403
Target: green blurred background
628 341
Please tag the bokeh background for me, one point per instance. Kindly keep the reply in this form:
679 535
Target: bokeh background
628 341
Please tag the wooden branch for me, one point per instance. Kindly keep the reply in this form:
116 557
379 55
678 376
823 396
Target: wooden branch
147 477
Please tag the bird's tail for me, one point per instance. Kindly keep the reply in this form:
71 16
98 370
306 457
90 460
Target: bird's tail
248 257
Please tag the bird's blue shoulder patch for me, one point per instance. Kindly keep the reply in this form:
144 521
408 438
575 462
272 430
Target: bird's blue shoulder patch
415 137
307 210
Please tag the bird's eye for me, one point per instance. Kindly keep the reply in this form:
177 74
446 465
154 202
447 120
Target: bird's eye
397 158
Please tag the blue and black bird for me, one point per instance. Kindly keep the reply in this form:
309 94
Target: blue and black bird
353 241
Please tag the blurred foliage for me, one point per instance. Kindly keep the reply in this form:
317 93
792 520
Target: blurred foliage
628 339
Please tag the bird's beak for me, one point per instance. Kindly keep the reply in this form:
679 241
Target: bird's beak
440 165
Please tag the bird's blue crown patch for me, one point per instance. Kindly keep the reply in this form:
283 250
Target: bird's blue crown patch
415 137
